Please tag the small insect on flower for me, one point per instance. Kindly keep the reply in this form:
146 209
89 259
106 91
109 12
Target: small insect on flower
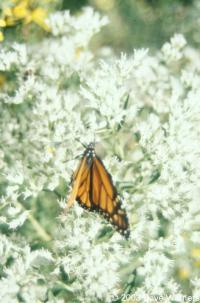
94 190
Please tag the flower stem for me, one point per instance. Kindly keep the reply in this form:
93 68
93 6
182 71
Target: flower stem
36 225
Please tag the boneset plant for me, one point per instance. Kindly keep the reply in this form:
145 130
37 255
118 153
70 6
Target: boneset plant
143 111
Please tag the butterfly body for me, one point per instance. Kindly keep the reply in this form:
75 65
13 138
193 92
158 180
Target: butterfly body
90 154
94 190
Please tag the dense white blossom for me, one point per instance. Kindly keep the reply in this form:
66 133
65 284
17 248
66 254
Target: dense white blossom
143 111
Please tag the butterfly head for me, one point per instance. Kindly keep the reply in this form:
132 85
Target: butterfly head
90 150
90 153
91 145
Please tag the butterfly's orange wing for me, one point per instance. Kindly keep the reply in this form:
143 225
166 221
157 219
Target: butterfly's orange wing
76 180
83 194
105 199
94 190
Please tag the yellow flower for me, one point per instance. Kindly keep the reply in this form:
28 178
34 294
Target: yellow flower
20 11
196 252
7 12
78 52
38 16
2 23
51 149
183 273
197 263
196 255
23 11
1 38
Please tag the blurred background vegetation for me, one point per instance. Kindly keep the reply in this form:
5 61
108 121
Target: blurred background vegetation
133 23
144 23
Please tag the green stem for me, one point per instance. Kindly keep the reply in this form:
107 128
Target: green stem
37 226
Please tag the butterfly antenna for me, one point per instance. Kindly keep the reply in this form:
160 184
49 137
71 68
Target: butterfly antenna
81 143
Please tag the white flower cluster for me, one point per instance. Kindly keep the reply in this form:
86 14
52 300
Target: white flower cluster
81 29
144 112
86 259
22 271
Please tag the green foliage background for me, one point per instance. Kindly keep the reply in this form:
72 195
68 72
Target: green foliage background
143 23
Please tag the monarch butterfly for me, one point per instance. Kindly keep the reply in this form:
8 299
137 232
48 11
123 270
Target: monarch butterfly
94 190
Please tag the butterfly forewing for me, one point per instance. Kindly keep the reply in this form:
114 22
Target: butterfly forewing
84 187
76 180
